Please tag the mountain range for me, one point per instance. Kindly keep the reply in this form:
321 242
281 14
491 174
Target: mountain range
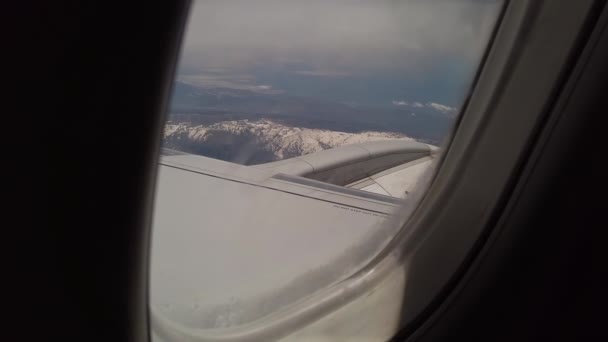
259 141
206 105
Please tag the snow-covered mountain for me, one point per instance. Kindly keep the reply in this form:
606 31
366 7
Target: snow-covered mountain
251 142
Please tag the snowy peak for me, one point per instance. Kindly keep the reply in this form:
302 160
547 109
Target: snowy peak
251 142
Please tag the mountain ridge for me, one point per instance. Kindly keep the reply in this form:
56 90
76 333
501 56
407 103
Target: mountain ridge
259 141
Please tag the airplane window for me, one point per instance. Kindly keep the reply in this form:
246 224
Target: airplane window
299 137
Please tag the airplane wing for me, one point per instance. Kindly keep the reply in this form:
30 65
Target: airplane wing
234 243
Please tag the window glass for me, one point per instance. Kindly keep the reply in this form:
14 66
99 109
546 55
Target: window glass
297 130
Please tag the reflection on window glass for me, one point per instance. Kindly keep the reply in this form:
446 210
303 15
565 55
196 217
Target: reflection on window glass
296 130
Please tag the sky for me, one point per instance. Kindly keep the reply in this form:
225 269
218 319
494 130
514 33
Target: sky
368 52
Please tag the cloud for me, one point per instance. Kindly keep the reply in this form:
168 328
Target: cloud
441 108
348 35
322 73
433 105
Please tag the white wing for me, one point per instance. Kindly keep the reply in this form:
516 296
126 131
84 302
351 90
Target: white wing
234 243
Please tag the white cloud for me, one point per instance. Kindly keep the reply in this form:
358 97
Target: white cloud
441 108
433 105
322 73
